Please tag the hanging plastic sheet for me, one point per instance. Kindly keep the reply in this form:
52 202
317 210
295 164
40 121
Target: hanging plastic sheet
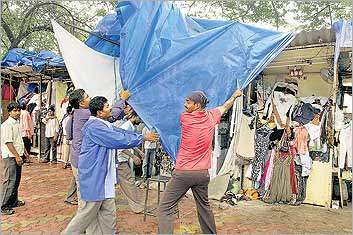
343 30
165 55
96 73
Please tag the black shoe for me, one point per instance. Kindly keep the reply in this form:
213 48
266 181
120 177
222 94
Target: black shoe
7 211
71 202
19 203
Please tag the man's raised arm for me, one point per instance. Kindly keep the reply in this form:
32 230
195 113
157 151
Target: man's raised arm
228 104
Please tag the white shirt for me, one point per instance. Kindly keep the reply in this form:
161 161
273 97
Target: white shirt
148 144
64 123
11 133
51 127
129 127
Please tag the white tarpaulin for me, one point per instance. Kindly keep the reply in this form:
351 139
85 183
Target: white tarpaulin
96 73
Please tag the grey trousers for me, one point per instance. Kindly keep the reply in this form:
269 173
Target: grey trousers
99 217
129 189
72 190
11 182
178 185
50 144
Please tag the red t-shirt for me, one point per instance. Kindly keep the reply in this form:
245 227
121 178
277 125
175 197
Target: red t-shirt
197 131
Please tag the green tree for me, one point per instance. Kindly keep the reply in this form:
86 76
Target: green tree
26 24
277 13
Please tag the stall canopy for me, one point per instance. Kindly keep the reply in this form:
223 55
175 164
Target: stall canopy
165 55
36 60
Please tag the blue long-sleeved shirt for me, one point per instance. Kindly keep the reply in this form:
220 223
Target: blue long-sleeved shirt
77 121
96 165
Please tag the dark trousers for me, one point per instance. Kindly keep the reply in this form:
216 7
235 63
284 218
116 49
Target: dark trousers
27 143
50 144
147 166
11 183
178 185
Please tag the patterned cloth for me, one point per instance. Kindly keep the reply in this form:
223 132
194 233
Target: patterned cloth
262 142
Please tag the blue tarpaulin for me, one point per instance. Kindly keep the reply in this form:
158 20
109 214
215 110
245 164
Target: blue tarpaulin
37 60
165 55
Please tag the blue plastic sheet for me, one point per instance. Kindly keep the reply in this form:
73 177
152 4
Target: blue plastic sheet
37 60
165 55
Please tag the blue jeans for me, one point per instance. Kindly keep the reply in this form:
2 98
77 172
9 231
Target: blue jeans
147 166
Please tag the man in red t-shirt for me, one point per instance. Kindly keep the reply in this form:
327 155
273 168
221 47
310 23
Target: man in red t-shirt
193 162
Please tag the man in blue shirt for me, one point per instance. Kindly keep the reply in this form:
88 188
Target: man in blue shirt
96 169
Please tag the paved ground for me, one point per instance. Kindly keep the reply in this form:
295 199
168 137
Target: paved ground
44 187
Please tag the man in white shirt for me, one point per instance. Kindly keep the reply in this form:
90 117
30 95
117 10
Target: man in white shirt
13 151
51 133
125 179
150 153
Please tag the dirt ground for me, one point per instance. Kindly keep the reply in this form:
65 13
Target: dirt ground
44 187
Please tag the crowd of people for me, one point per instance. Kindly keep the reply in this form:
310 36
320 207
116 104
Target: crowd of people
101 143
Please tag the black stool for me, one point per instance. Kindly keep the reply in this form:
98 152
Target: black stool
159 179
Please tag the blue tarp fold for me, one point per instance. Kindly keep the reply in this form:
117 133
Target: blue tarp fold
165 55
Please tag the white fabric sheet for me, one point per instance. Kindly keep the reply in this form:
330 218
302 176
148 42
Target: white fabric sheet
96 73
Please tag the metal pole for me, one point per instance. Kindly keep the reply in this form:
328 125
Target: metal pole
40 119
94 34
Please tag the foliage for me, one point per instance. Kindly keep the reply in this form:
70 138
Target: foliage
280 14
26 24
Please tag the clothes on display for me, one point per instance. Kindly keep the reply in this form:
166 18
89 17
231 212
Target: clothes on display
246 145
282 99
345 146
262 141
283 183
22 90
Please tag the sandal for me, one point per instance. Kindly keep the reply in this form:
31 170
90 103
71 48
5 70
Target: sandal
20 203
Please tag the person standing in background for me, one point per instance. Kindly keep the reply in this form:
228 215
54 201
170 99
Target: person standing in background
150 153
27 129
51 134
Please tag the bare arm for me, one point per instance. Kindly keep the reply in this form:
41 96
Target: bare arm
15 153
229 103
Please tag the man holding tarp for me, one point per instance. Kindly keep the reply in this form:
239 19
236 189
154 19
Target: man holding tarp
193 161
96 169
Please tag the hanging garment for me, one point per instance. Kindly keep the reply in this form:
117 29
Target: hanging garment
314 133
262 142
60 93
246 145
215 154
327 132
22 90
6 92
280 189
345 147
305 113
306 163
268 169
283 98
301 140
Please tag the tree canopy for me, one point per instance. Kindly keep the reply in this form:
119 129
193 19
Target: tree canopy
26 24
